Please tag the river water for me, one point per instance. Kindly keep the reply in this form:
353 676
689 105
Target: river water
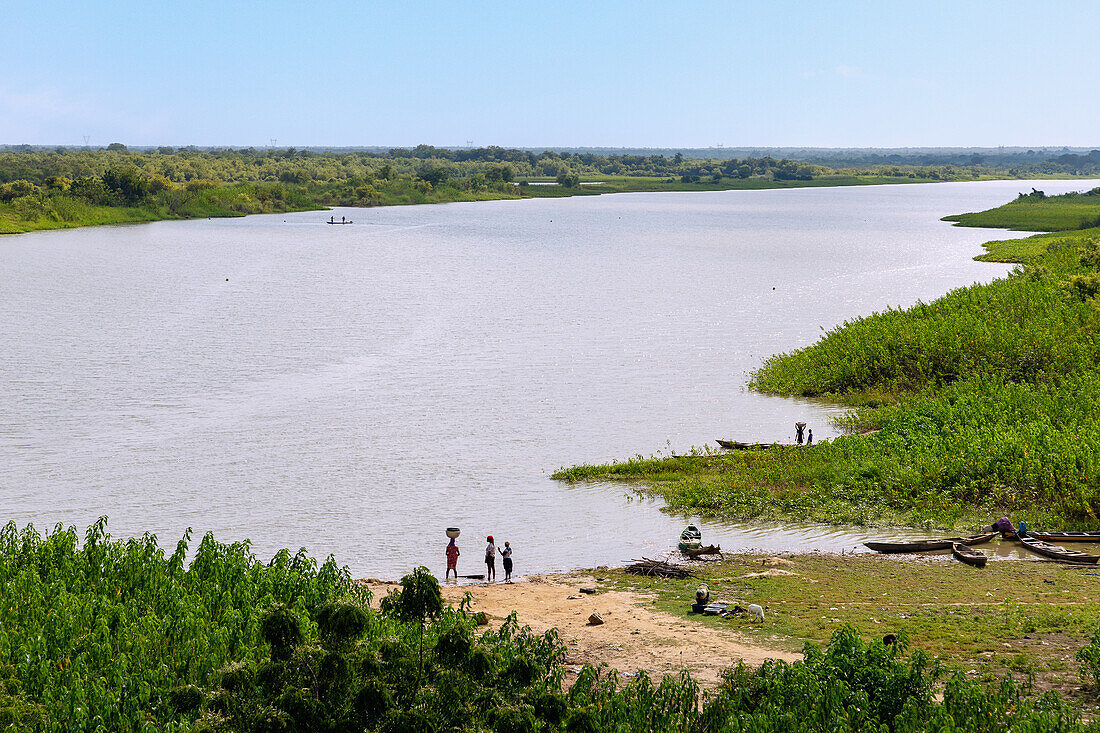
357 389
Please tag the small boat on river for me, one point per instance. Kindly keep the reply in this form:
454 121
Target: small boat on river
1055 552
927 545
691 538
969 555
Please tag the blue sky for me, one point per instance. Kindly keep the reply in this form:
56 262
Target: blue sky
645 74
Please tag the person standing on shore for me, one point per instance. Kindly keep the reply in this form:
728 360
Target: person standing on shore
490 559
506 553
810 440
452 560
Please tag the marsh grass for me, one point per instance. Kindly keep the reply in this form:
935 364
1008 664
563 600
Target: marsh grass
1039 213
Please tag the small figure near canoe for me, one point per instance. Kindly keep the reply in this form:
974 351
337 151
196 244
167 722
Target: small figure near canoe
1037 542
800 437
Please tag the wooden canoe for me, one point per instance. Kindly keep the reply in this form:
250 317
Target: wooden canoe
969 555
1059 536
1057 553
738 445
927 545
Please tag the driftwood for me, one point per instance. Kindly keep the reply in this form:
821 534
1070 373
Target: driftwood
708 550
658 568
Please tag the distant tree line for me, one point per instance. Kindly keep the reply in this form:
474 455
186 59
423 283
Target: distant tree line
38 184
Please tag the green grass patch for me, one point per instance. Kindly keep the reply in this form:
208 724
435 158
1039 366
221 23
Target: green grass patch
1014 616
1037 212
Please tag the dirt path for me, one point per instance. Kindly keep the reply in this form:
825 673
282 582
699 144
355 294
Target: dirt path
635 636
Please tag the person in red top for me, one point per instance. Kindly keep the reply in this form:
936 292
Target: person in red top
452 559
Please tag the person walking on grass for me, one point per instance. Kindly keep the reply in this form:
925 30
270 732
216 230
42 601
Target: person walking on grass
490 559
452 560
506 553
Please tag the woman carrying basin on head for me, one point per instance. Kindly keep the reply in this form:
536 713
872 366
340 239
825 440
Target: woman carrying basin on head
452 559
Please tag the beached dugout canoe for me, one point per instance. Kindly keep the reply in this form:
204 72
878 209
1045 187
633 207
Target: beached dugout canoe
1059 536
1056 552
969 555
927 545
738 445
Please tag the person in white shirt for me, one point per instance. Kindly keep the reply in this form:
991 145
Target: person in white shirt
490 559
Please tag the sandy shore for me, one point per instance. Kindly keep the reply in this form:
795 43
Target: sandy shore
635 636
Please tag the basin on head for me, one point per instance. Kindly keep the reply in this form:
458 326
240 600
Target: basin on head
453 532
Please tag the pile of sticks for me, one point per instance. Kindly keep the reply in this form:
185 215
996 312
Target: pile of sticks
658 569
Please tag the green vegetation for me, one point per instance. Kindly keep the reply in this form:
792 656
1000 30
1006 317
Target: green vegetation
1014 617
103 636
982 403
850 686
114 635
64 187
1037 212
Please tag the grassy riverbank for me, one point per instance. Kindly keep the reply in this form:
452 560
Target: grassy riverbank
982 403
118 635
1014 617
1037 212
53 209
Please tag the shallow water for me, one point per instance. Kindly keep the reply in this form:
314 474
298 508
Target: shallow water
356 389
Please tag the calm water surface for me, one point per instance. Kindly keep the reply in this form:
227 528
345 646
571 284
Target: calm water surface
357 389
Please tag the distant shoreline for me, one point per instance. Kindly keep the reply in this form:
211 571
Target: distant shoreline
92 215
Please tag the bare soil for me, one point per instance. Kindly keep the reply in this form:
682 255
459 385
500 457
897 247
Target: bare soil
635 636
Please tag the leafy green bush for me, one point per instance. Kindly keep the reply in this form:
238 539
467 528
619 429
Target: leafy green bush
1089 657
114 635
105 634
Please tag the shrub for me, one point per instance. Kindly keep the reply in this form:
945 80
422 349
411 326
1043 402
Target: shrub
281 631
1089 657
341 624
